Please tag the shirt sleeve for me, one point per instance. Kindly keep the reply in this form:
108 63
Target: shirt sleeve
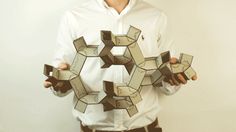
165 43
65 51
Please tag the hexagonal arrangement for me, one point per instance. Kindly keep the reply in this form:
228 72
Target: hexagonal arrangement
143 71
157 68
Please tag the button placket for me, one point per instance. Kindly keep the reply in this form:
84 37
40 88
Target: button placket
118 73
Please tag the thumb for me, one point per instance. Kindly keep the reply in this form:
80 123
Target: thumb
63 66
47 84
173 60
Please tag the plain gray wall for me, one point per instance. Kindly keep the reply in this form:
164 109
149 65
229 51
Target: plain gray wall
204 28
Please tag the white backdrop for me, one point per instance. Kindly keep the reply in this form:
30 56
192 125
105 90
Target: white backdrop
204 28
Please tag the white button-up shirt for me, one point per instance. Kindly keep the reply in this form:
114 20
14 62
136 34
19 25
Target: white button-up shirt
87 20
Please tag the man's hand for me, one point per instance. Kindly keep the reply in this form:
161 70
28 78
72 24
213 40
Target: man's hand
58 85
179 78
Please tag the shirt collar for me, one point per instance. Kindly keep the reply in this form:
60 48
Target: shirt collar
104 4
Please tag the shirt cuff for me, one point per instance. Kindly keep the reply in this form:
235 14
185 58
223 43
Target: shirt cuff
167 89
59 93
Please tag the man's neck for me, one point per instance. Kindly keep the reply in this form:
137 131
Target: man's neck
118 5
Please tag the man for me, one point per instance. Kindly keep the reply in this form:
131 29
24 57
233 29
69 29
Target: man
115 15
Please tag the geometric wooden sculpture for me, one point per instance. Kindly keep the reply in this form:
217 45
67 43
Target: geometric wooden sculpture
142 71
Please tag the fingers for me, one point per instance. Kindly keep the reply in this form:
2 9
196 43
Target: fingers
181 79
178 79
194 77
175 80
63 66
57 85
62 86
172 80
47 84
